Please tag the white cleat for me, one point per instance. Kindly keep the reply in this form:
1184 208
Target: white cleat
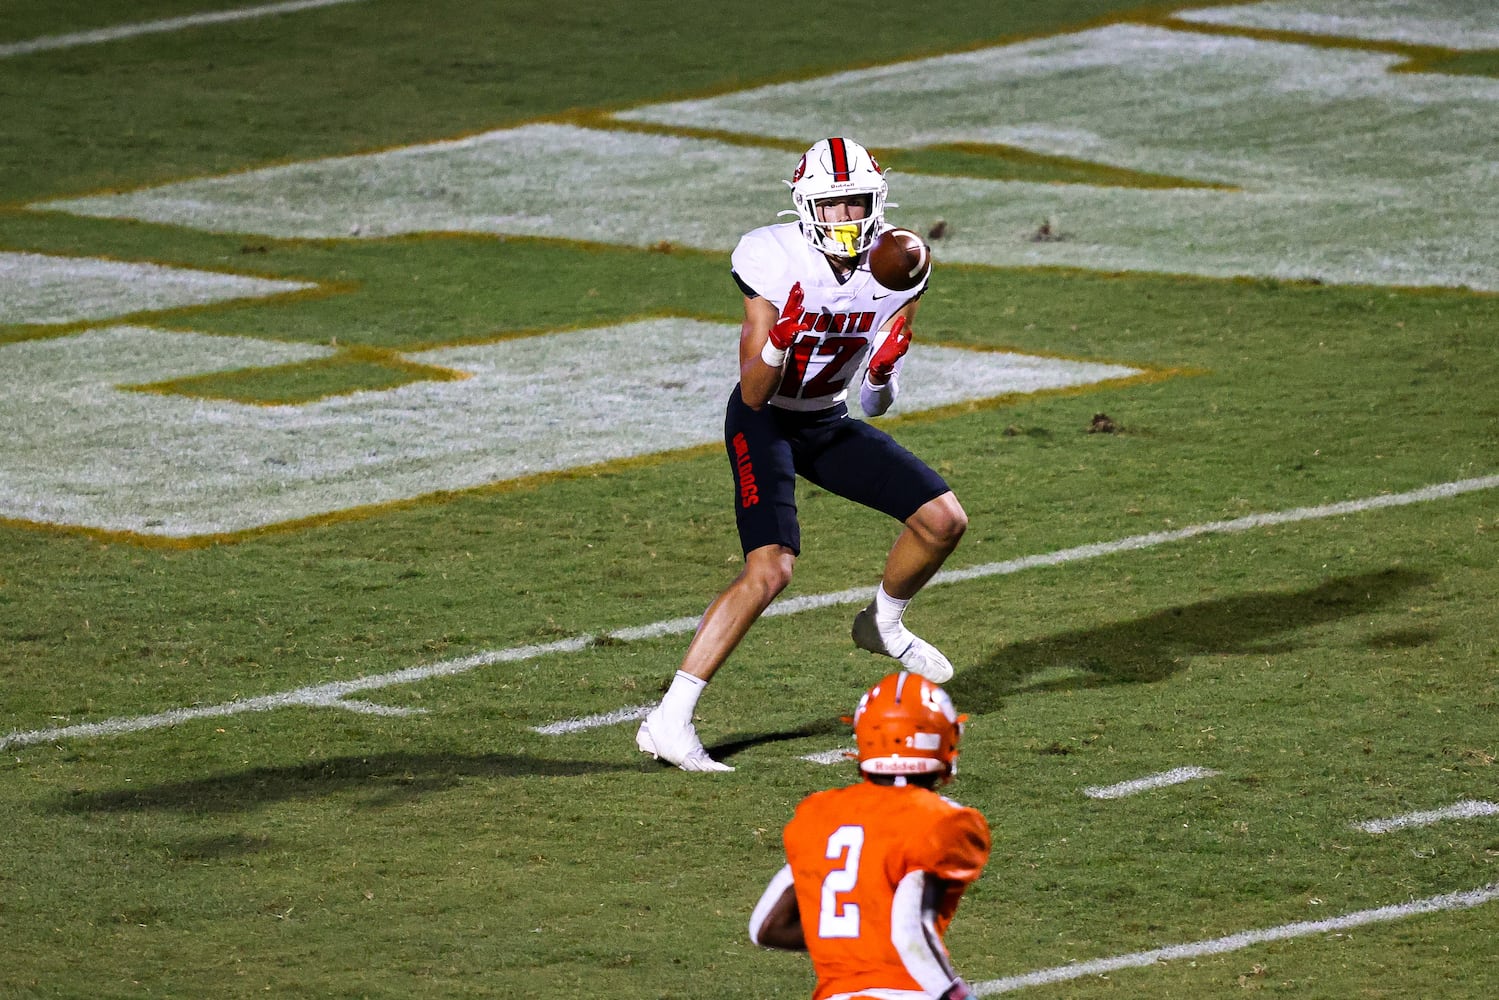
919 656
677 745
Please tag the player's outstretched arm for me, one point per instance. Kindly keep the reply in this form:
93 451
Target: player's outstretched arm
777 920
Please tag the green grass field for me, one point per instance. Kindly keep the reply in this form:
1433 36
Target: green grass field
421 838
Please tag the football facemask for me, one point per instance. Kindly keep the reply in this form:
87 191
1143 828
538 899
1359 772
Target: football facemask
838 169
905 724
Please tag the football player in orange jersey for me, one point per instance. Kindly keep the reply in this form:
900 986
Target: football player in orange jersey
875 870
818 328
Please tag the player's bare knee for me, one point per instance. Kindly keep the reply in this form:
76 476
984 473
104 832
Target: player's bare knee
774 578
941 522
955 525
769 570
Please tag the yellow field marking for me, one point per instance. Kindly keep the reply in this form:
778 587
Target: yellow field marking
221 385
1417 58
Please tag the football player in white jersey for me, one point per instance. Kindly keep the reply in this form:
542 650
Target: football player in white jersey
816 326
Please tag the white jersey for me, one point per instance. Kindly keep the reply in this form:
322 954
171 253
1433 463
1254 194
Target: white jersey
844 318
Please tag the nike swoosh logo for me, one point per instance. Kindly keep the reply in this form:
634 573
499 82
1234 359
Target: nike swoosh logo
885 296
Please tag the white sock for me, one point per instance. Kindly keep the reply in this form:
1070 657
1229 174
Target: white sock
680 700
888 612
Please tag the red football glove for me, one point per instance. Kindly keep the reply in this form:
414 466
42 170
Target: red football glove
882 365
790 324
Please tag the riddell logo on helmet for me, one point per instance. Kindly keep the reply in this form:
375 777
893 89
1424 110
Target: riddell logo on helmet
749 493
896 764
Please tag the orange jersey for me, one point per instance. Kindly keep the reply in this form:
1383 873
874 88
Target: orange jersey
848 849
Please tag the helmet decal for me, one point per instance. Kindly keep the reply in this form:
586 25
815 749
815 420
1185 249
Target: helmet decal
840 159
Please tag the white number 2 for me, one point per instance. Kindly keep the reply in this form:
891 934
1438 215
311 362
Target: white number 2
835 919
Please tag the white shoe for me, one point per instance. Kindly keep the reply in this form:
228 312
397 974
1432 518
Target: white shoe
677 745
919 656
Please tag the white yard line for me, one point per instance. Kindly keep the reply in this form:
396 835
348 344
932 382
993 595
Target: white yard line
1244 939
118 32
1468 809
581 723
333 695
1175 776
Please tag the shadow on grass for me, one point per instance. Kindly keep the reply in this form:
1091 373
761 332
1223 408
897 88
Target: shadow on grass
1158 645
384 779
728 748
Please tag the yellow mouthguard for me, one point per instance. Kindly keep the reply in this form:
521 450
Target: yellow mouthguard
848 236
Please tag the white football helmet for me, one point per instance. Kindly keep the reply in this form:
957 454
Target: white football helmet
838 168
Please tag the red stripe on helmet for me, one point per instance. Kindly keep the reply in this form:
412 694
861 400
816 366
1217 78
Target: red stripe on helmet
840 159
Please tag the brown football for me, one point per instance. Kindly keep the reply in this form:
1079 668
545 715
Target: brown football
899 259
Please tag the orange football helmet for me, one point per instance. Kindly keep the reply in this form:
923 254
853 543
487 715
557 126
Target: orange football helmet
905 724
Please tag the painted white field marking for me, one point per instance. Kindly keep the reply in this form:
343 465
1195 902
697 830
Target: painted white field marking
1442 25
646 189
1467 809
1290 131
331 695
1464 900
45 288
522 407
122 31
1175 776
581 723
1235 526
839 756
1324 164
